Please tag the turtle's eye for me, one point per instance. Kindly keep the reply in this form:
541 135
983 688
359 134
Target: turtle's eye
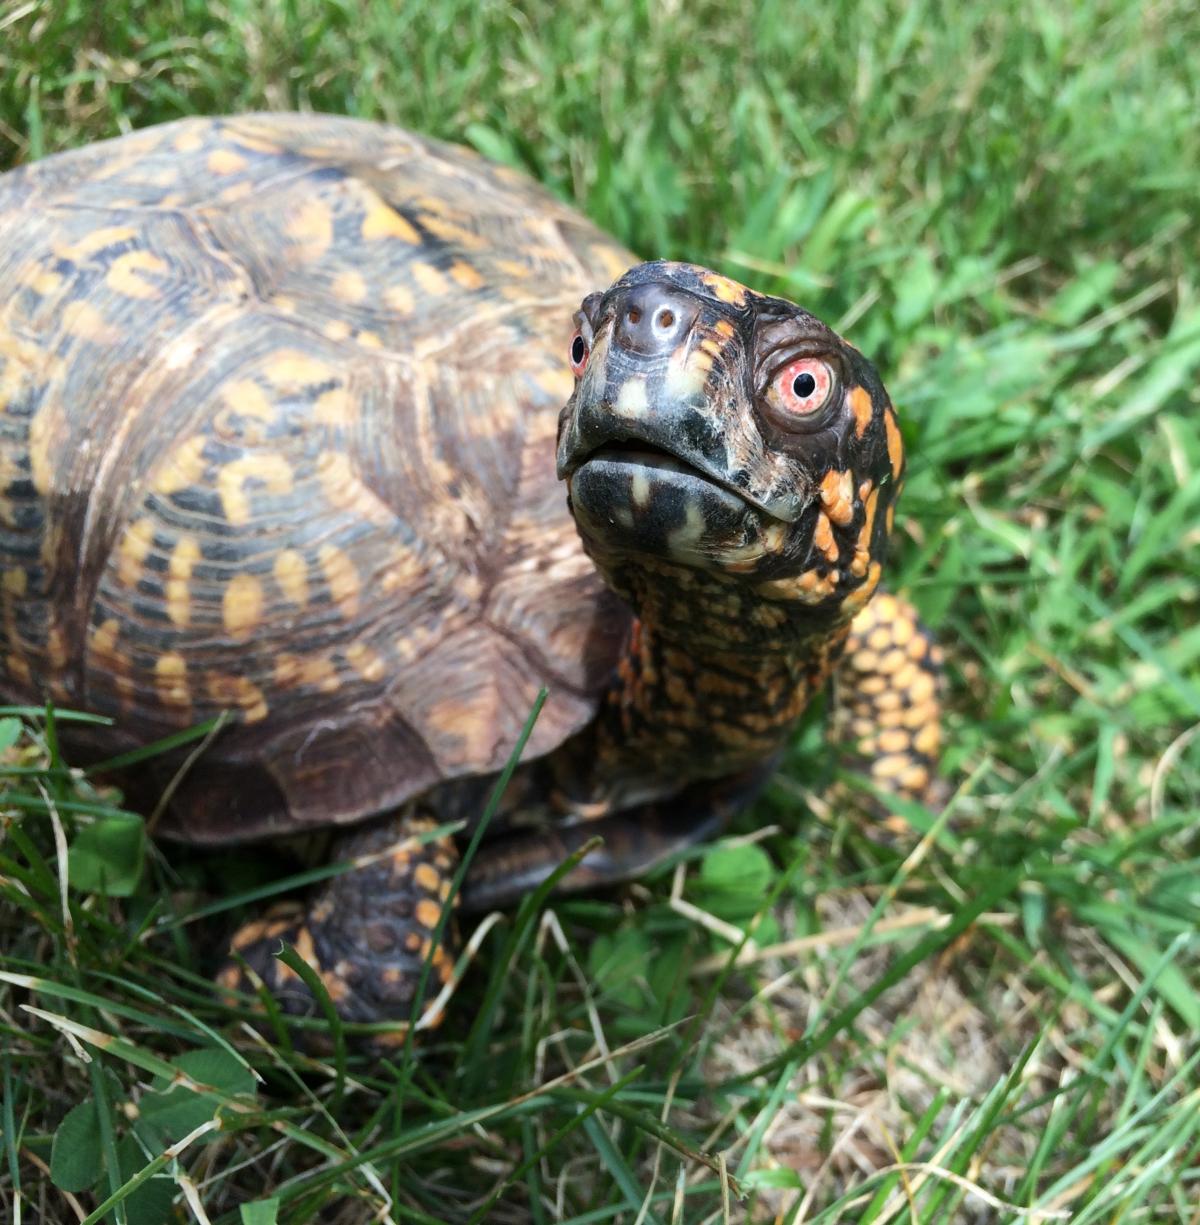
803 387
579 353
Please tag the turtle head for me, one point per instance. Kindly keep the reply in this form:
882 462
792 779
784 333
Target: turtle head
719 431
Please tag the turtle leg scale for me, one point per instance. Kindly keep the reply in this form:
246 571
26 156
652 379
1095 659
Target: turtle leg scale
367 932
887 703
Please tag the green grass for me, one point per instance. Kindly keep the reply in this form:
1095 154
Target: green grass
999 203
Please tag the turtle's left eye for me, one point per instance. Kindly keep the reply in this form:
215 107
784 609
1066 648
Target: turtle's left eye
579 353
803 387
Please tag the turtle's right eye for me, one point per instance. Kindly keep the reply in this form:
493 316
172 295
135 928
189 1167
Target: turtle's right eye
579 353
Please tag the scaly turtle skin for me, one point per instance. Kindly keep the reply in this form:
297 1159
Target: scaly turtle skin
279 402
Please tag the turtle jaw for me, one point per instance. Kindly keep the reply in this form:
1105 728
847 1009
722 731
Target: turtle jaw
634 500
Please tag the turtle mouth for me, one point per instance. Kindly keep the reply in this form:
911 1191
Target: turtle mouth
632 454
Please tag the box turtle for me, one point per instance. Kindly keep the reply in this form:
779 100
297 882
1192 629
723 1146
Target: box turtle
337 428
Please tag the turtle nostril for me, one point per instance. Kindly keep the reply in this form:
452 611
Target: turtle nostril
653 318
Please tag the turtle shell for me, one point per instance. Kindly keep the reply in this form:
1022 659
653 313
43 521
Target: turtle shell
278 403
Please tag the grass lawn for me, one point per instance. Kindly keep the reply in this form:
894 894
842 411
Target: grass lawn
994 1020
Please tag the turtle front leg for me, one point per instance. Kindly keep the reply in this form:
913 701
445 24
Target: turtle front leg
887 704
634 840
367 932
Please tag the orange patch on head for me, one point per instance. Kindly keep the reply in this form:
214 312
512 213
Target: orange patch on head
823 537
895 443
725 289
862 547
837 496
861 408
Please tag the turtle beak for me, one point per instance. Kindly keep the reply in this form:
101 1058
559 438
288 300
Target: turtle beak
664 367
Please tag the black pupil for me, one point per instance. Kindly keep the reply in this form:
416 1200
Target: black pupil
804 385
578 350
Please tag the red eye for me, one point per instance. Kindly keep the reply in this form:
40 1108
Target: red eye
804 386
579 353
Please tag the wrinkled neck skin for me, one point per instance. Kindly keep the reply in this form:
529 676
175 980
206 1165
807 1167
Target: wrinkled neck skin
712 681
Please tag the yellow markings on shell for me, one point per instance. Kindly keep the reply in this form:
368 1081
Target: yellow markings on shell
725 289
837 496
127 272
310 227
183 468
470 719
41 431
861 408
466 275
136 542
269 469
341 577
366 661
399 298
430 280
242 605
188 141
291 573
823 537
18 669
895 443
97 240
332 407
170 679
179 599
289 369
42 280
428 913
336 329
440 226
515 269
369 340
246 398
349 286
230 691
84 321
724 329
15 582
380 220
316 671
225 161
